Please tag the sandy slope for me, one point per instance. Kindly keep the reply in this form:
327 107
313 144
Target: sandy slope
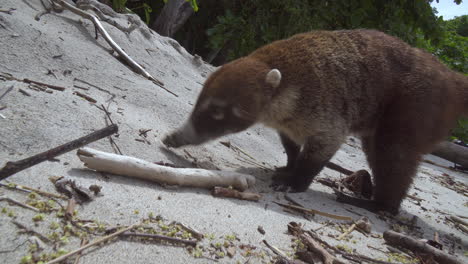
61 48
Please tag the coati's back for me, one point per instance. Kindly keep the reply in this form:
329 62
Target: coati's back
351 76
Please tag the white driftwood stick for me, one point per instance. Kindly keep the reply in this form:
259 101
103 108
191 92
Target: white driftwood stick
133 167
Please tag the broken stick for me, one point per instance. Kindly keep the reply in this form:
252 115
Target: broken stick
13 201
96 242
315 246
13 167
396 239
231 193
276 250
31 231
312 211
338 168
137 168
175 240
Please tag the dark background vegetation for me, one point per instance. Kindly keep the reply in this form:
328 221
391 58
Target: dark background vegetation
223 30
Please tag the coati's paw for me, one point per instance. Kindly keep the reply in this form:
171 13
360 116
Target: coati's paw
171 141
284 182
280 181
393 210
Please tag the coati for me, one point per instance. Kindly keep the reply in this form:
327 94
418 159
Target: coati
317 88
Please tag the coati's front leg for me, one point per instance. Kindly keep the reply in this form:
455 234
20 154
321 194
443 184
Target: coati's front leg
315 154
292 151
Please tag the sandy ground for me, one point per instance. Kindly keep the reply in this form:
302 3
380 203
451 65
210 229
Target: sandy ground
60 49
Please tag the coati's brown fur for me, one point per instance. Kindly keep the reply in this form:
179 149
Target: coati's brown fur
398 99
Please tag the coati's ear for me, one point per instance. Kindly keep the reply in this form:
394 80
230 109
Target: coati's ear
273 78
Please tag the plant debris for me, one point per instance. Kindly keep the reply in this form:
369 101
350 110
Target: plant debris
72 190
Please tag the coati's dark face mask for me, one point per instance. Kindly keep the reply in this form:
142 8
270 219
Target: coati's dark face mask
211 118
227 103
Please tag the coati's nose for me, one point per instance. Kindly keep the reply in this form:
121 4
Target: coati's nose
176 139
185 135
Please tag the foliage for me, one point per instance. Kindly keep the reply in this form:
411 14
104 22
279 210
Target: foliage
240 27
144 8
461 131
119 5
147 10
453 47
193 3
225 30
459 25
453 51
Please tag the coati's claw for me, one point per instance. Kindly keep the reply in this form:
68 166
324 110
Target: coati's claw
284 182
281 188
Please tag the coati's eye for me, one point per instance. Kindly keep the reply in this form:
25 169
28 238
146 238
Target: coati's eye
236 111
217 113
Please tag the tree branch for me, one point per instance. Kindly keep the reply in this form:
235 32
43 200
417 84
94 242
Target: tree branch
13 167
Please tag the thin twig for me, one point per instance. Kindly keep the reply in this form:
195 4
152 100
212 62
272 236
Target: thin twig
80 87
345 233
338 168
458 220
86 97
53 87
11 168
275 250
197 235
30 189
312 211
11 200
414 198
94 86
186 242
9 11
88 83
15 248
6 92
96 242
106 112
31 231
114 145
291 200
252 160
84 241
24 92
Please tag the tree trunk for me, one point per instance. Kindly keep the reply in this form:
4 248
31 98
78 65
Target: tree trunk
452 152
172 17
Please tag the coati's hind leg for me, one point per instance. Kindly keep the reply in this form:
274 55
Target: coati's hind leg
292 151
394 168
393 165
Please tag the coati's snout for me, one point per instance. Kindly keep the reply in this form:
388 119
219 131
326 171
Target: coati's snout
231 101
212 118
